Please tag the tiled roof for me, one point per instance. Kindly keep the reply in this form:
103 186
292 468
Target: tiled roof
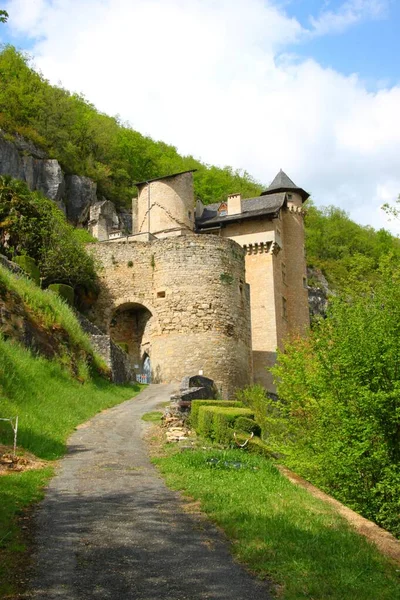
251 207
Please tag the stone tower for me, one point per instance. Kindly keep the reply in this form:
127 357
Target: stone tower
270 228
165 206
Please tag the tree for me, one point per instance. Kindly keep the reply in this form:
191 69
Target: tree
337 420
3 16
393 211
32 224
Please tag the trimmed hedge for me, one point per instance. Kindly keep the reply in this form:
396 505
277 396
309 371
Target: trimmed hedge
66 292
255 445
29 266
195 406
217 422
247 425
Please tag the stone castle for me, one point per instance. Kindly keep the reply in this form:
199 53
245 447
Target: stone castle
213 289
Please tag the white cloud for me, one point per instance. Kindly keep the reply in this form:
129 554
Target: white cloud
208 76
348 14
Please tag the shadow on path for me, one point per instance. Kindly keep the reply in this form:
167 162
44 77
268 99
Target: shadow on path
109 527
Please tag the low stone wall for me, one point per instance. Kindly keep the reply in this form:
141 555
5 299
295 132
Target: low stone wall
114 357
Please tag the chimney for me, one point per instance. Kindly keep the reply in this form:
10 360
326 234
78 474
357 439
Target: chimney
234 204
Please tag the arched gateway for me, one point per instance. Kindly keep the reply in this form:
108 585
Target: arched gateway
130 327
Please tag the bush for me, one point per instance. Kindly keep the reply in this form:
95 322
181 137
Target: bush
33 225
224 421
254 445
195 407
338 418
66 292
29 266
247 426
217 422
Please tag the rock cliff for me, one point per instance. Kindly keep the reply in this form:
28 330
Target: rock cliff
73 194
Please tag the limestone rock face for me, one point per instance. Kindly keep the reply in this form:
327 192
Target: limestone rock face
318 293
125 220
75 195
22 160
80 195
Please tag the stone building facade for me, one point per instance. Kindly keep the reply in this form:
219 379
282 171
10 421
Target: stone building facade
214 288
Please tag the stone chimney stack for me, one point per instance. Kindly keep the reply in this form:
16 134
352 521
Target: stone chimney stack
234 204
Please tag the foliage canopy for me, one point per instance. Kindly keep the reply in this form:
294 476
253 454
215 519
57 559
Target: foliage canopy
342 249
32 224
337 420
90 143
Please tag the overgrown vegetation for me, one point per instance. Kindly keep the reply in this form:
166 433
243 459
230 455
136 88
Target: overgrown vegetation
87 142
337 420
344 250
280 531
50 321
31 224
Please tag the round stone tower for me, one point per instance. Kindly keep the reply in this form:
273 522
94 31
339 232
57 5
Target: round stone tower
165 207
180 304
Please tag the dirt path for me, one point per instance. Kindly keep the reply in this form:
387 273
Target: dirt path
110 529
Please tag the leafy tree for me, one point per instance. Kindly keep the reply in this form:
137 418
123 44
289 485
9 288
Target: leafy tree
32 224
338 416
3 16
90 143
342 248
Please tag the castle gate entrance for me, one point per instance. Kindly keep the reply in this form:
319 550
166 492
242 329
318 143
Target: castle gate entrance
130 328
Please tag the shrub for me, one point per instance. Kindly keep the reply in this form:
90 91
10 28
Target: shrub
195 406
224 421
247 426
254 445
217 422
204 421
29 266
66 292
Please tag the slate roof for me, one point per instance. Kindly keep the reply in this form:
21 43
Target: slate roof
283 183
164 177
251 207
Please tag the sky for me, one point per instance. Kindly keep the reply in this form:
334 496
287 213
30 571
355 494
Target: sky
309 86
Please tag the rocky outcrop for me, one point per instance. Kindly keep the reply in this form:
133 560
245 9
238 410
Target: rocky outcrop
80 194
40 173
318 293
73 194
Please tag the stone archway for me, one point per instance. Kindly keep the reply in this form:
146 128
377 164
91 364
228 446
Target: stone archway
131 327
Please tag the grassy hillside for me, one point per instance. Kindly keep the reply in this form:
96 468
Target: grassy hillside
90 143
51 396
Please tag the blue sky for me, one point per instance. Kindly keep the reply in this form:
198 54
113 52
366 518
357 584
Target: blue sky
309 86
370 48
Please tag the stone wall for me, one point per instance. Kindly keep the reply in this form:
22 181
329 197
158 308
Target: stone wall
194 287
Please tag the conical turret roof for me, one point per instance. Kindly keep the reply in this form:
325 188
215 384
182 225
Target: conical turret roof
283 183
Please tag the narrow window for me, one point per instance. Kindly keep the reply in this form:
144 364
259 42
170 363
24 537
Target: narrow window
284 308
161 294
284 273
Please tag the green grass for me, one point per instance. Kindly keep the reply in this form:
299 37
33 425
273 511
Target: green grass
18 491
49 404
153 417
48 401
280 531
48 308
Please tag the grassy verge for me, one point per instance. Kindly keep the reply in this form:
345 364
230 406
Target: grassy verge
152 417
279 530
49 404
